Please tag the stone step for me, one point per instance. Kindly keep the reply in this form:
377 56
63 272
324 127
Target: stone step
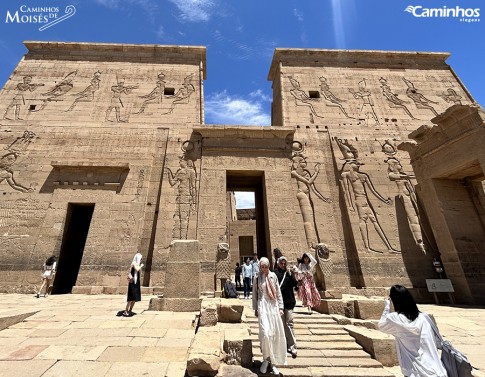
306 353
326 331
319 338
312 328
320 345
334 372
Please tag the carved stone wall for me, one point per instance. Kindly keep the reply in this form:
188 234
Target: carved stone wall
120 127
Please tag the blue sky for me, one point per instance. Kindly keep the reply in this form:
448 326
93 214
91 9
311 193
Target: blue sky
241 36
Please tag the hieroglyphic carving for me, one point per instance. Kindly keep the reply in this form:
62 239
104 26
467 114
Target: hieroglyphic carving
325 263
356 185
6 172
391 97
301 98
18 146
140 182
451 96
87 95
19 99
306 185
223 264
406 192
367 109
185 178
183 94
155 96
56 93
21 143
419 100
116 102
330 98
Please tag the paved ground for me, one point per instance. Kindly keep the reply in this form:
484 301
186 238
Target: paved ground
80 335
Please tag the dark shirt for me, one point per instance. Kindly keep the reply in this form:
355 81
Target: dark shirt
238 271
287 288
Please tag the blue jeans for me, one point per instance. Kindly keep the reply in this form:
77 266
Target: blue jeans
247 286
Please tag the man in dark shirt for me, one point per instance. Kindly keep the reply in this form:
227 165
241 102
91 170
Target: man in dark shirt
287 284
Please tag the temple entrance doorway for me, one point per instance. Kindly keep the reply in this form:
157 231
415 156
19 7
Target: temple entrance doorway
253 181
78 220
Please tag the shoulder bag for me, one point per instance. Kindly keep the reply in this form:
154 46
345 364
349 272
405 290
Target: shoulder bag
455 362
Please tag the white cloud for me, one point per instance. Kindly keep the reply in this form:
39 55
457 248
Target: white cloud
160 33
195 10
244 199
150 7
259 94
222 108
298 15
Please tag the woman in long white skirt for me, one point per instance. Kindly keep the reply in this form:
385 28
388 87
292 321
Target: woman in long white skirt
268 307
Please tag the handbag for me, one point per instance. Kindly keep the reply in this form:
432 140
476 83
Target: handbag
455 362
130 278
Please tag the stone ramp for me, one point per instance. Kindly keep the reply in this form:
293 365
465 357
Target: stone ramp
324 349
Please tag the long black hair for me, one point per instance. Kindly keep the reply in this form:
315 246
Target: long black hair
404 302
50 261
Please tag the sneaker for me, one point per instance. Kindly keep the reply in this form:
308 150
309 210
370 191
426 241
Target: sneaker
275 371
293 352
37 295
264 366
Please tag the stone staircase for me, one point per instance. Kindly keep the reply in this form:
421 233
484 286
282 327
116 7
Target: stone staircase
324 349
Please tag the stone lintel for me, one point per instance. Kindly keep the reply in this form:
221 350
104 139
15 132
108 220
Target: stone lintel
90 164
244 132
305 57
87 51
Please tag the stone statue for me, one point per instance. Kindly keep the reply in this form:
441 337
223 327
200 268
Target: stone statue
223 264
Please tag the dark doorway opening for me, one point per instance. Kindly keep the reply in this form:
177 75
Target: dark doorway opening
78 220
254 181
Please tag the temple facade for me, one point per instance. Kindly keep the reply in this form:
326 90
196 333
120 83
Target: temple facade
105 152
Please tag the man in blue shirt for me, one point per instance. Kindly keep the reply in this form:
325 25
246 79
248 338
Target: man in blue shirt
247 273
255 265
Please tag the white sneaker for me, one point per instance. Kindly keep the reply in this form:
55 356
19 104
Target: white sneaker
264 366
275 371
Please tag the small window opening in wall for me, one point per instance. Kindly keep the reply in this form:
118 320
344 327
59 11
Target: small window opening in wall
31 107
297 126
313 94
169 91
307 126
316 127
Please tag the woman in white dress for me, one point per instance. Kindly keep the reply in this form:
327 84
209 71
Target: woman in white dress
48 275
268 307
415 340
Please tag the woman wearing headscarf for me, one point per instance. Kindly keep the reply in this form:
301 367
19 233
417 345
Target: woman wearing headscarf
307 290
416 344
268 307
134 290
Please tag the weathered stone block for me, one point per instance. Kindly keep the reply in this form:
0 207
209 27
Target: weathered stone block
368 309
205 353
341 307
175 304
230 312
381 346
208 314
238 348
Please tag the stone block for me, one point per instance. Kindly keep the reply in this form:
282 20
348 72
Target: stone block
110 290
184 251
175 304
368 309
238 348
229 312
96 290
82 290
381 346
182 280
204 357
208 314
341 307
235 371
